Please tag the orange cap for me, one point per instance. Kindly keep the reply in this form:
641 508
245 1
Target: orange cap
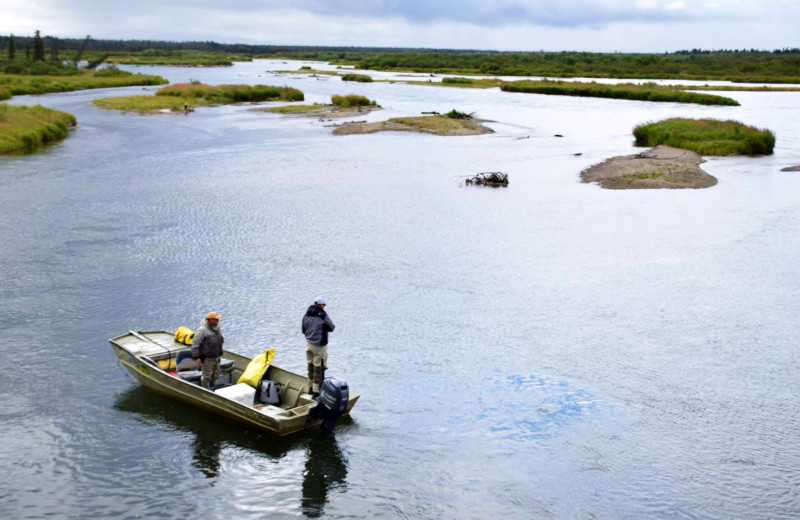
213 314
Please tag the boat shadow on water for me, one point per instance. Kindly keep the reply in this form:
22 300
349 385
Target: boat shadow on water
326 463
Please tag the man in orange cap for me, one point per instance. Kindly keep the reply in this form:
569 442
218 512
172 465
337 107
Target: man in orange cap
207 349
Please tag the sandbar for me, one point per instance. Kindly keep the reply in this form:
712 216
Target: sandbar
437 125
658 168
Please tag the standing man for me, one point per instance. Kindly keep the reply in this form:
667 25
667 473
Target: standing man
207 349
316 326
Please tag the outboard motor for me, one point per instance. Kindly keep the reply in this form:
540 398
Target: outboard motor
331 403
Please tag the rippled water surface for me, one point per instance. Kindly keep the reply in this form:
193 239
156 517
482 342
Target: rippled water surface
549 350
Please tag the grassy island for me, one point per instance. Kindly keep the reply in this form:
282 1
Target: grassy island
341 106
361 78
706 136
352 100
675 160
460 82
182 96
23 128
305 69
302 110
224 94
184 58
472 82
643 92
22 84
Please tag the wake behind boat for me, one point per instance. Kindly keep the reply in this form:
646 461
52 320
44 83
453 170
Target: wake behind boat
156 360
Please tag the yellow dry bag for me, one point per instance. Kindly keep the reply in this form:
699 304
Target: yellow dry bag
257 368
184 335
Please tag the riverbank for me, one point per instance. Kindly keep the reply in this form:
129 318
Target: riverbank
24 128
630 91
181 58
760 66
181 97
19 85
436 125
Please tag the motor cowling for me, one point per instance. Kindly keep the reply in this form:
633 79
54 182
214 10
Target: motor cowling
331 403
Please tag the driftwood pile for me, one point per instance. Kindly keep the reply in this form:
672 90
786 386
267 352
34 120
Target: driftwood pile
494 179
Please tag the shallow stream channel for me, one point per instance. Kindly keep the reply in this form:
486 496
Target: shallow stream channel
550 349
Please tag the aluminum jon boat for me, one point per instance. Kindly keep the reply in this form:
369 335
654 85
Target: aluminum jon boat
152 356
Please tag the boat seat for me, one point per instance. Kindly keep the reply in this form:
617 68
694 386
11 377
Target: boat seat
290 395
186 367
184 360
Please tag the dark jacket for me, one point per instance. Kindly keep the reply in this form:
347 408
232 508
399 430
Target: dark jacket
207 342
316 326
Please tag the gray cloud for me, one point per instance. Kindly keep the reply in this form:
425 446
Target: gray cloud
487 13
602 25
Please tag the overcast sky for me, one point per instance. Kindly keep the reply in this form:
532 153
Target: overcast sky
584 25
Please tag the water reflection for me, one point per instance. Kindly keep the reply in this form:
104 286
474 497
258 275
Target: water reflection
326 469
325 465
206 455
211 431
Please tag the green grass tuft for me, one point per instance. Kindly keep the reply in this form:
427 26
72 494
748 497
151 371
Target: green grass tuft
706 136
352 100
143 104
361 78
455 114
110 72
457 81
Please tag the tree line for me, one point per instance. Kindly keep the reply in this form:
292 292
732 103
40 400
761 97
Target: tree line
109 45
780 65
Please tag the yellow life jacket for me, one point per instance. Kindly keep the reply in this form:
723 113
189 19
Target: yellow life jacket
184 335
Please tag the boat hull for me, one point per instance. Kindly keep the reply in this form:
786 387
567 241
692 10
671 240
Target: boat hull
278 421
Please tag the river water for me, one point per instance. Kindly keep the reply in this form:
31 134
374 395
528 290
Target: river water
548 350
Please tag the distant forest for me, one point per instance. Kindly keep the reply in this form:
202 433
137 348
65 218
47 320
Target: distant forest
99 45
776 66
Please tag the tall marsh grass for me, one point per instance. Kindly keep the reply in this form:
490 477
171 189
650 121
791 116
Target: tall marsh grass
224 94
176 57
352 100
361 78
459 81
142 104
189 95
18 85
706 136
23 128
643 92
